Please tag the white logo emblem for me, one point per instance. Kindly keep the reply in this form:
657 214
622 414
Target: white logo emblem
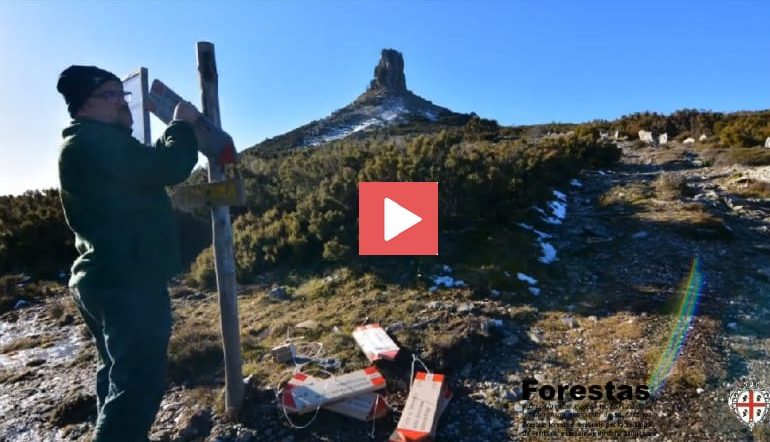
750 403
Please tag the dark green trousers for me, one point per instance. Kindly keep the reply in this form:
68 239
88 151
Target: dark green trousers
131 327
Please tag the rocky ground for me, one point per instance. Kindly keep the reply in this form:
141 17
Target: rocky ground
603 311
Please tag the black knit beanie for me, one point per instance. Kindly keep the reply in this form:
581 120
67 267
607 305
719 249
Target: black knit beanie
76 83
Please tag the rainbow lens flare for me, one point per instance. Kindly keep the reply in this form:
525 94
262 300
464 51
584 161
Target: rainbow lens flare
691 290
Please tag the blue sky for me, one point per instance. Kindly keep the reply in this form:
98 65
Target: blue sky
284 64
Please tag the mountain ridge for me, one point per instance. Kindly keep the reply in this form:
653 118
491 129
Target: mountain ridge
387 102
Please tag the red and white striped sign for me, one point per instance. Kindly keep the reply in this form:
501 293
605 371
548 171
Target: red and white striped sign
364 407
427 400
375 343
305 393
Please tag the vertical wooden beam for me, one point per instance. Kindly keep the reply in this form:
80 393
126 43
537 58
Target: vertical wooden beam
144 82
224 257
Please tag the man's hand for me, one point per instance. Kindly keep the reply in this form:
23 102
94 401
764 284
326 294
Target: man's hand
185 111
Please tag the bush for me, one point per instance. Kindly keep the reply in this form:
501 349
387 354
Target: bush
477 129
744 130
334 251
202 272
34 237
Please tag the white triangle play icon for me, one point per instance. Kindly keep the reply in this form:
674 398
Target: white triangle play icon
397 219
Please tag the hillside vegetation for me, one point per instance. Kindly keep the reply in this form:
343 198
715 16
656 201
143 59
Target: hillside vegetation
302 203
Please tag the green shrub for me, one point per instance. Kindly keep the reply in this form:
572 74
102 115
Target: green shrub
744 130
34 236
334 251
202 273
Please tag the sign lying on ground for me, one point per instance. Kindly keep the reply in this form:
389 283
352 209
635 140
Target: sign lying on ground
426 401
304 393
375 343
365 407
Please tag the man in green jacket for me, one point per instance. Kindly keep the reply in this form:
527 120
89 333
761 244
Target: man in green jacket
114 199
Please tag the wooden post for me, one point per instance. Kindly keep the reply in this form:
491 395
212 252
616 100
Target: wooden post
222 230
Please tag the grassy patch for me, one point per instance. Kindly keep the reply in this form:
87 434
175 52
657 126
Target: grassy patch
604 334
21 344
631 193
698 361
14 288
754 156
337 303
689 219
315 288
669 156
63 311
669 186
750 188
13 376
195 355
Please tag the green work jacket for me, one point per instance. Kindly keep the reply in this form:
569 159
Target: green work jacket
114 199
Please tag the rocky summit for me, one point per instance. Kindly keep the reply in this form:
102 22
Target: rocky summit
389 73
386 102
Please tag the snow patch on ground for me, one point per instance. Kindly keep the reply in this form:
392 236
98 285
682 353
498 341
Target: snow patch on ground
549 253
370 117
531 281
430 115
541 235
547 218
65 345
557 208
446 281
526 278
368 123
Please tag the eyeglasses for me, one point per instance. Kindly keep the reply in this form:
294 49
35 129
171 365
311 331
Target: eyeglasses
114 97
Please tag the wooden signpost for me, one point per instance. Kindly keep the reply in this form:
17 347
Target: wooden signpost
218 194
223 242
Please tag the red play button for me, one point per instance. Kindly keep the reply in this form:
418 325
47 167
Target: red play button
398 218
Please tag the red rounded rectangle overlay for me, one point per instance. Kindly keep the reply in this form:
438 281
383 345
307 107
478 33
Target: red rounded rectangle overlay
398 218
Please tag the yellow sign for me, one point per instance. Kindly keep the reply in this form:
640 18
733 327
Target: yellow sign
220 193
